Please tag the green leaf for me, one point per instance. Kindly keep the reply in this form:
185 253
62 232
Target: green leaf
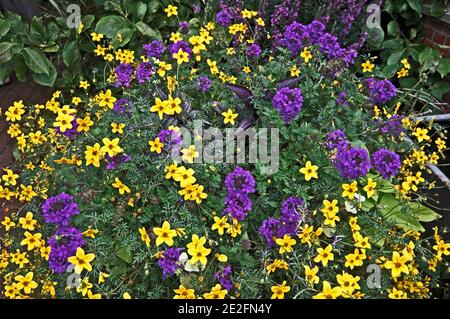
392 44
444 67
139 10
37 28
392 28
21 70
394 209
36 61
110 25
46 79
440 88
124 254
87 21
395 57
437 8
428 56
408 82
153 6
423 213
416 5
147 31
70 53
5 52
389 71
375 37
126 37
5 26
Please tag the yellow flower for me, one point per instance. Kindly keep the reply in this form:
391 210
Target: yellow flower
405 63
310 171
260 22
330 208
350 190
163 67
90 232
173 105
222 258
235 228
93 155
184 293
121 186
402 73
8 223
171 10
160 107
216 293
220 224
10 178
126 295
189 154
294 71
175 37
348 283
84 286
421 134
81 260
229 116
324 255
442 248
144 236
397 264
370 188
181 56
397 294
117 128
184 176
96 37
247 14
306 54
165 234
63 122
91 295
360 241
111 147
246 69
102 276
84 85
28 222
367 66
311 274
84 125
328 292
285 244
278 291
26 283
32 241
106 99
156 145
171 170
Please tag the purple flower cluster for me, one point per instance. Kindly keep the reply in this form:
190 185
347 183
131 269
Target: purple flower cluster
154 49
286 224
283 14
224 18
239 183
393 126
380 92
122 106
59 209
253 51
229 10
170 139
113 162
387 163
203 83
124 74
168 262
184 26
63 244
297 36
224 278
342 99
337 140
352 163
144 72
183 45
288 102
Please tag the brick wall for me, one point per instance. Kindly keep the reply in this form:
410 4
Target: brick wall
437 32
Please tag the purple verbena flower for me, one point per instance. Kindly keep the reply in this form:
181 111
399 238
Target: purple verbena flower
240 181
124 74
224 278
288 102
59 209
203 83
352 163
63 244
144 72
168 262
337 140
154 49
387 163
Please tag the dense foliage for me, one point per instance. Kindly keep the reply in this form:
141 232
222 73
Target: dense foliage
107 212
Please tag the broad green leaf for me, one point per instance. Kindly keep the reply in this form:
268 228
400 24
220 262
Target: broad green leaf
394 209
87 21
46 79
437 8
70 53
444 67
440 88
416 5
5 26
124 254
423 213
395 57
36 61
392 28
392 44
37 28
153 6
147 31
428 56
126 37
389 71
110 25
375 37
5 52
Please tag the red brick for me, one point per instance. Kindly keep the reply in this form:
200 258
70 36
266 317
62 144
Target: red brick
439 38
429 32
